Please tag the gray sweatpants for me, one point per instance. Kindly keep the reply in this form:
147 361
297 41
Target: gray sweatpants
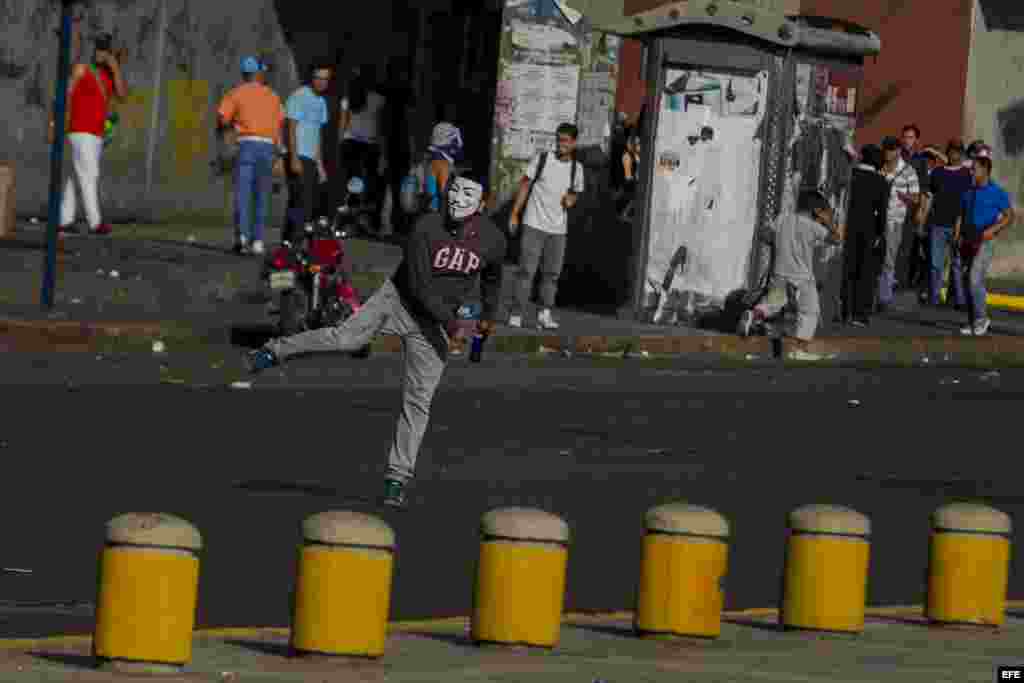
384 313
542 250
808 307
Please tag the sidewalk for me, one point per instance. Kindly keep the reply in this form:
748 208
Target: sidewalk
145 289
895 646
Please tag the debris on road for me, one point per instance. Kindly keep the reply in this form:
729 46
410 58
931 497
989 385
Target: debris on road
241 385
853 403
991 374
159 347
949 380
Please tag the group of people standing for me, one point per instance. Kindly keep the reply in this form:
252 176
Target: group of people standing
911 210
374 144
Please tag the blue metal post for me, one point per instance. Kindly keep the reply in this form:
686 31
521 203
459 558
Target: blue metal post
57 154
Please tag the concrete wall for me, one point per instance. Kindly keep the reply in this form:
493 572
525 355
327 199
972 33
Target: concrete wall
994 111
182 56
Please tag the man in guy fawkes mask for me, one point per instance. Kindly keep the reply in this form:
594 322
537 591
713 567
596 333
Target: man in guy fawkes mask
424 303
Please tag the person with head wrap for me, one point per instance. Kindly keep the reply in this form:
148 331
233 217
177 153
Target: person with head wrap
444 151
428 301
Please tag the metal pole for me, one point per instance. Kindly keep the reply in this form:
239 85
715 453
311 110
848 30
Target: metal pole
57 154
158 87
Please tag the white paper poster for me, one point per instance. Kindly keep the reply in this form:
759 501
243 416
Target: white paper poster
705 192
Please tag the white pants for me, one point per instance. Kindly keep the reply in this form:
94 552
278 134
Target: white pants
804 293
86 152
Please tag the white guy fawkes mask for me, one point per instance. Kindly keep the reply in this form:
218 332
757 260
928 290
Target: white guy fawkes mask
464 197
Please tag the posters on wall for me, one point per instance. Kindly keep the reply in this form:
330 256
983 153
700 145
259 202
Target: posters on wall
538 88
705 189
553 68
825 121
819 157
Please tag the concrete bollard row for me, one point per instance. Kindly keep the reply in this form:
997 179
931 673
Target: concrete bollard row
149 578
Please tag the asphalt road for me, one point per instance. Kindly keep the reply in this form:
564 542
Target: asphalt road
596 445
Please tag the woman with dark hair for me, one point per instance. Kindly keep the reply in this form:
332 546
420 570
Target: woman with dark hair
360 132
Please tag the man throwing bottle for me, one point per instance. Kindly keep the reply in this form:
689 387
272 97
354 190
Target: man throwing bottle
421 303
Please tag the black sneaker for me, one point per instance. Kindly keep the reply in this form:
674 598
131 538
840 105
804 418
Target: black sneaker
394 493
261 359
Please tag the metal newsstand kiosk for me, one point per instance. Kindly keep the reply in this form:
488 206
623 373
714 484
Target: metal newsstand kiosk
734 39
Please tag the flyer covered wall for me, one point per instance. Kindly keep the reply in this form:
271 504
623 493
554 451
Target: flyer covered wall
705 189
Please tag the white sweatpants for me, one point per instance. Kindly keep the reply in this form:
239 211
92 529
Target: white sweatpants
86 152
804 293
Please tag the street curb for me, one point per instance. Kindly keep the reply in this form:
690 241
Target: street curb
68 336
413 626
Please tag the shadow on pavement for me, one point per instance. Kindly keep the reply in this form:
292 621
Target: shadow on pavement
455 639
758 624
251 336
606 630
299 488
77 661
262 647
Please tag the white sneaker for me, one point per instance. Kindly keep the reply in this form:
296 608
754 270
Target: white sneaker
801 354
545 321
257 247
515 321
980 328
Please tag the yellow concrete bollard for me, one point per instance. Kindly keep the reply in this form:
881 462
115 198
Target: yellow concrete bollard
968 565
520 578
148 586
826 574
343 589
682 572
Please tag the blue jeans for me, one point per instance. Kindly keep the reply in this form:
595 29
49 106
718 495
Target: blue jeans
975 271
942 242
253 183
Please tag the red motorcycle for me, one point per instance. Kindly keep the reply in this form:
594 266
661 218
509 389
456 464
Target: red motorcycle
311 281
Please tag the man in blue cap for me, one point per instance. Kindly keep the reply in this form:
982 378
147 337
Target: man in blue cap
428 301
256 115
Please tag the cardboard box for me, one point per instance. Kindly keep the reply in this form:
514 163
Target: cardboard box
7 216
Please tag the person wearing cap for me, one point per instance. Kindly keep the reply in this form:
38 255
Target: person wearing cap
797 235
447 258
91 90
865 237
985 212
255 113
944 191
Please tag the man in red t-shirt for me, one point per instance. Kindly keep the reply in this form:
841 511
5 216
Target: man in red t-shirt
91 88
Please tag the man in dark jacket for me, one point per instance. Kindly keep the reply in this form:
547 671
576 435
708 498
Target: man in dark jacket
865 237
445 257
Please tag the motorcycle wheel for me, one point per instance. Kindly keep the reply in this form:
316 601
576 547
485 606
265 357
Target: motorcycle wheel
292 314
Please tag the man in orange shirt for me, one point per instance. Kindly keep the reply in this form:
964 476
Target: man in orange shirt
256 114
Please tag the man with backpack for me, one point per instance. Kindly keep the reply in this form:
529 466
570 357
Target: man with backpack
547 191
91 88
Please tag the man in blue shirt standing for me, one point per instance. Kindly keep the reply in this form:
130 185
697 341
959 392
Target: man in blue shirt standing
985 212
306 112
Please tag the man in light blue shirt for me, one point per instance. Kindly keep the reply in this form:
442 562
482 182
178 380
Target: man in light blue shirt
306 112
